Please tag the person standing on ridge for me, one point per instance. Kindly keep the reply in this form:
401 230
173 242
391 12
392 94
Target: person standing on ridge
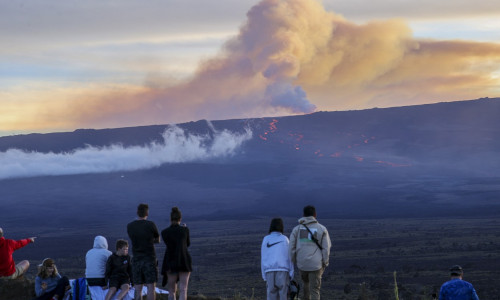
456 288
276 265
177 261
310 249
144 234
8 268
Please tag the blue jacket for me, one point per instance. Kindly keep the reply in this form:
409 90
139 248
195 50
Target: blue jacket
51 284
457 289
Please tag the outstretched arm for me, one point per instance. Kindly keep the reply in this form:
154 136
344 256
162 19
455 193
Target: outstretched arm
21 243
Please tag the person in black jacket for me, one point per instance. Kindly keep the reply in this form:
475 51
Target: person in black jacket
177 261
118 271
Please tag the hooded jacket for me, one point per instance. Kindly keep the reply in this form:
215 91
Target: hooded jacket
274 254
304 251
118 267
96 258
7 247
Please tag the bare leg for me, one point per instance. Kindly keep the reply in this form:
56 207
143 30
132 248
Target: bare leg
24 265
111 293
183 285
138 291
151 291
172 286
123 291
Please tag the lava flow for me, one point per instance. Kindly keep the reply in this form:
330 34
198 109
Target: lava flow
297 142
272 128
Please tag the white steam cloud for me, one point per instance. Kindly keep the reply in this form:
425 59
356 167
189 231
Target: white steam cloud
177 147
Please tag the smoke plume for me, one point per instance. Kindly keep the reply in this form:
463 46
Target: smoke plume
177 147
293 56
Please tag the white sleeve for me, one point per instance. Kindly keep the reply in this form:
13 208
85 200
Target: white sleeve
262 256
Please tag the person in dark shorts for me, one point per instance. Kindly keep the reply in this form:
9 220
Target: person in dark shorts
118 271
177 261
144 234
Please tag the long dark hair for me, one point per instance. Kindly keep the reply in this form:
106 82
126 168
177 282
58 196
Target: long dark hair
276 225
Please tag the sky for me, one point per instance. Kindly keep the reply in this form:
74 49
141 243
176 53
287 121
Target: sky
66 65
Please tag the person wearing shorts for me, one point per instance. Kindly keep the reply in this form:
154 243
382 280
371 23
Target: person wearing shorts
144 234
177 265
8 268
118 271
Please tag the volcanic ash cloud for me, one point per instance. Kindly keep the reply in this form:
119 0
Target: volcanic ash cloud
293 56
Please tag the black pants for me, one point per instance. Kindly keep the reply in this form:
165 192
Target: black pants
59 290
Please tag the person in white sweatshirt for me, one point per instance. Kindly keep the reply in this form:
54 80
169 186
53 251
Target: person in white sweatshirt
276 265
95 262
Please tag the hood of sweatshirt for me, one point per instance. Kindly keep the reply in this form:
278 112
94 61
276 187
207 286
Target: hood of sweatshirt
307 220
100 242
2 241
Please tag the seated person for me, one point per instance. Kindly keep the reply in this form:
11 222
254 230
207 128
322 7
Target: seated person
48 283
95 262
8 268
119 271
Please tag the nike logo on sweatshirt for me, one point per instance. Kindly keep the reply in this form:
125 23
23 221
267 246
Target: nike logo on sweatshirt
270 245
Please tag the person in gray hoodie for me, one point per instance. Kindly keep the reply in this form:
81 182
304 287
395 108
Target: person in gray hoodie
310 249
95 262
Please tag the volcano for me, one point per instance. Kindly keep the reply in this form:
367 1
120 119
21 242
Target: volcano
415 161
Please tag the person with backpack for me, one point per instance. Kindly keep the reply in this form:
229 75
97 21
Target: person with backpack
276 265
310 249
